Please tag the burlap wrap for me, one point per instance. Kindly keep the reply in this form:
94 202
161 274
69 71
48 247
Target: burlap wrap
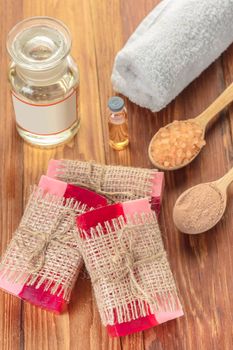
128 267
43 250
117 183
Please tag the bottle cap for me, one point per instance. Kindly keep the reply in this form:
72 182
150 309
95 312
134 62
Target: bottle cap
116 103
39 43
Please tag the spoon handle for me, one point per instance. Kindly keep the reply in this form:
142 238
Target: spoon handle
219 104
225 181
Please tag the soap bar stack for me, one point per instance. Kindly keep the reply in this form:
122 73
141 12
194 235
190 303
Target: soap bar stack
104 216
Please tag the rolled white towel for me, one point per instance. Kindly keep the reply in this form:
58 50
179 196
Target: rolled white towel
170 48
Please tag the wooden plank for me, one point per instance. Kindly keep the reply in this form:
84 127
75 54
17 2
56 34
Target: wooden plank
108 40
79 328
11 159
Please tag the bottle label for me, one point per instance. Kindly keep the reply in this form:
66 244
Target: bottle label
46 119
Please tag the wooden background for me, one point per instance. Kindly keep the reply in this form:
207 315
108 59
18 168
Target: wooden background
202 265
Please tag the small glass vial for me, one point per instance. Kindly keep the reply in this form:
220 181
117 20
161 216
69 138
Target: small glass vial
44 81
118 123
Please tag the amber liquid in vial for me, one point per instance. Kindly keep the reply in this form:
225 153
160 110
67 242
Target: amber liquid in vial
118 130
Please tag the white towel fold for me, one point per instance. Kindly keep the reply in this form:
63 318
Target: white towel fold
170 48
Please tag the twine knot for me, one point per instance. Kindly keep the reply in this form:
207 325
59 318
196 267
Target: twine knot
126 263
129 261
37 257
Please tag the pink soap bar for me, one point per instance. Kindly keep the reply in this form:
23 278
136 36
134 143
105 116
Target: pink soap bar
156 189
86 222
62 189
39 296
52 168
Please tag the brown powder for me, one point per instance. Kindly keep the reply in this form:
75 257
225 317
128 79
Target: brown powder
198 209
177 143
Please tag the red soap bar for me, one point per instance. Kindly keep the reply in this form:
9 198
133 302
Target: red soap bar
90 198
126 328
89 220
43 299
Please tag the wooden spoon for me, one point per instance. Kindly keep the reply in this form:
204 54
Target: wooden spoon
203 120
209 213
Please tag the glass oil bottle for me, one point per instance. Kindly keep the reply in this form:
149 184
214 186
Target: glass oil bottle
44 81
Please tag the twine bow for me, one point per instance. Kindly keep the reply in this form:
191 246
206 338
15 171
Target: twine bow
126 257
38 255
98 187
